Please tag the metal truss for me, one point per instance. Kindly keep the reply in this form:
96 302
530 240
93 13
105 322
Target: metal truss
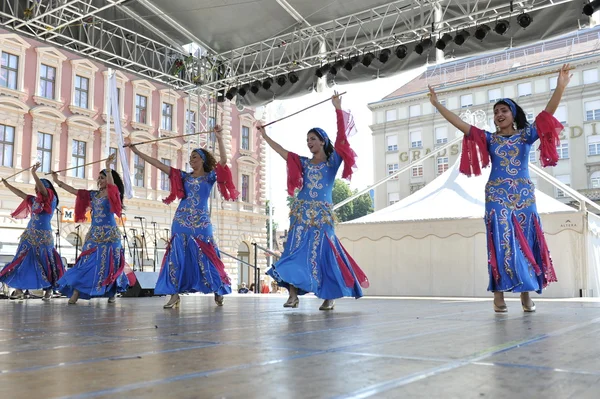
76 25
378 28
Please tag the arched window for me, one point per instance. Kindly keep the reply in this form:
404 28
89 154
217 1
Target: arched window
244 271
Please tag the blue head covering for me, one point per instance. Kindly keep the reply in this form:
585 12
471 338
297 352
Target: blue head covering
511 105
201 153
46 183
321 133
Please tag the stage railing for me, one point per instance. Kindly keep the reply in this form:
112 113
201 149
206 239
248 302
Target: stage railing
257 268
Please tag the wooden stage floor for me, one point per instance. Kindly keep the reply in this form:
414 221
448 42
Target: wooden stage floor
254 348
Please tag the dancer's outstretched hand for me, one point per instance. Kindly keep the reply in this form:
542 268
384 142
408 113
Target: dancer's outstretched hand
35 167
336 100
260 128
564 76
109 161
432 96
218 132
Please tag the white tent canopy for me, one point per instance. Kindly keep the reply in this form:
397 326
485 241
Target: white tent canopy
433 243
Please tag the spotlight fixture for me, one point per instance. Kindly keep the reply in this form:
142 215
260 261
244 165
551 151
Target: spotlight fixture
352 61
401 51
424 45
292 77
461 37
267 83
319 73
591 7
443 41
255 87
243 90
281 79
481 32
336 67
221 96
524 20
502 27
231 93
367 59
384 55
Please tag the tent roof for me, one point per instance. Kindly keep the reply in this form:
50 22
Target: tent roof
451 195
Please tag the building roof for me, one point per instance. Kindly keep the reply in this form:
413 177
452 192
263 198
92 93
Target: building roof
500 64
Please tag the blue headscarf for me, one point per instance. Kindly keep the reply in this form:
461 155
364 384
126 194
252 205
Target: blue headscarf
201 153
511 105
46 183
321 133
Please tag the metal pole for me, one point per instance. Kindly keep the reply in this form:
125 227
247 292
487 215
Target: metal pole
256 274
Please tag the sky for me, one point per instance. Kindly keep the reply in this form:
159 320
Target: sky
291 133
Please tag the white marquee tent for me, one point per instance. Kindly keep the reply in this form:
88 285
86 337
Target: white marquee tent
433 243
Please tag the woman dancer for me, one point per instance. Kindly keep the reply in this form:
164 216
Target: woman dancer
518 257
192 262
36 265
314 260
99 270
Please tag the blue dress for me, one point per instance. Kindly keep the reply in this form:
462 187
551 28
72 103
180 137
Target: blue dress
36 265
313 259
99 270
519 260
192 262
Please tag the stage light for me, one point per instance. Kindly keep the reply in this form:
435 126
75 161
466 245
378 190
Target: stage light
502 27
367 59
481 32
267 83
281 79
221 96
231 93
461 37
524 20
384 55
336 67
292 77
424 45
591 7
255 87
401 51
352 61
243 90
443 41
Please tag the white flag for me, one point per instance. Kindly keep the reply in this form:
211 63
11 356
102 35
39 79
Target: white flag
114 101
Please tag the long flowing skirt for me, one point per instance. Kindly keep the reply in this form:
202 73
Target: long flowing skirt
314 260
518 256
98 272
192 265
35 266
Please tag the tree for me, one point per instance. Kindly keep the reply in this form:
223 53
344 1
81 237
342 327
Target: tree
341 191
363 205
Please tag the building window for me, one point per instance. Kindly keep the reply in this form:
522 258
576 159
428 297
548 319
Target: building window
524 89
441 135
530 117
165 183
416 171
592 110
141 108
466 100
44 151
590 76
392 168
7 143
245 138
563 149
82 91
414 110
78 158
566 180
245 188
443 103
390 115
47 81
593 145
139 168
167 117
442 165
552 83
391 143
416 140
532 155
494 95
561 114
595 180
393 198
113 151
190 121
9 70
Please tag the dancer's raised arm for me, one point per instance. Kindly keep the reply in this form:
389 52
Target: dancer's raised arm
447 114
38 183
222 151
152 161
564 77
109 176
14 190
62 185
274 145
